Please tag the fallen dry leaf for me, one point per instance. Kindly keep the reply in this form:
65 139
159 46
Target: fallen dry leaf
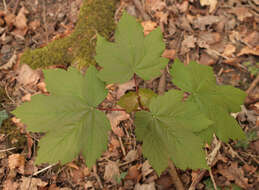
42 86
247 50
229 50
202 21
188 43
150 186
33 25
30 168
32 183
131 156
146 169
210 37
10 185
115 118
122 88
154 5
148 26
26 97
250 169
133 173
162 17
252 39
241 12
169 53
9 19
89 185
72 165
27 76
10 63
184 6
53 187
164 181
114 143
20 22
111 171
234 173
211 3
77 176
206 59
16 161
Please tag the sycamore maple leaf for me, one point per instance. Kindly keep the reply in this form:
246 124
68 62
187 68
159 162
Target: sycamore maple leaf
216 102
131 53
69 117
168 132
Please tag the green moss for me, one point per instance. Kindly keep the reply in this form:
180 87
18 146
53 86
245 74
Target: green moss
79 47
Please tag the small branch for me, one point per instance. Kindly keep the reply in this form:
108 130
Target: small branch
176 180
97 176
5 6
253 84
122 147
144 15
44 169
213 180
111 109
45 22
8 149
16 6
197 180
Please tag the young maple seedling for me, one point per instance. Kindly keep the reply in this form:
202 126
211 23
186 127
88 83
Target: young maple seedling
170 128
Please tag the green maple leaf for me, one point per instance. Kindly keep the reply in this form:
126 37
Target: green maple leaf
129 101
69 117
216 102
167 132
131 53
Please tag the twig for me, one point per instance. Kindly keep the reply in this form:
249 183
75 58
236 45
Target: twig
16 6
8 149
44 169
253 84
45 22
213 180
141 10
197 180
7 94
122 147
235 154
97 177
176 180
211 161
5 6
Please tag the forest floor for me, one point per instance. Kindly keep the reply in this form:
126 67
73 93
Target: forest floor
223 34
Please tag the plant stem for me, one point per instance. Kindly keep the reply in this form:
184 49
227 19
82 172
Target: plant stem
176 180
137 92
111 109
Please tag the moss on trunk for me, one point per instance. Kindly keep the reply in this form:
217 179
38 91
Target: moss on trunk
79 47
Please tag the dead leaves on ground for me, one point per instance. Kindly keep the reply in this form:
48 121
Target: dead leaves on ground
19 22
207 33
